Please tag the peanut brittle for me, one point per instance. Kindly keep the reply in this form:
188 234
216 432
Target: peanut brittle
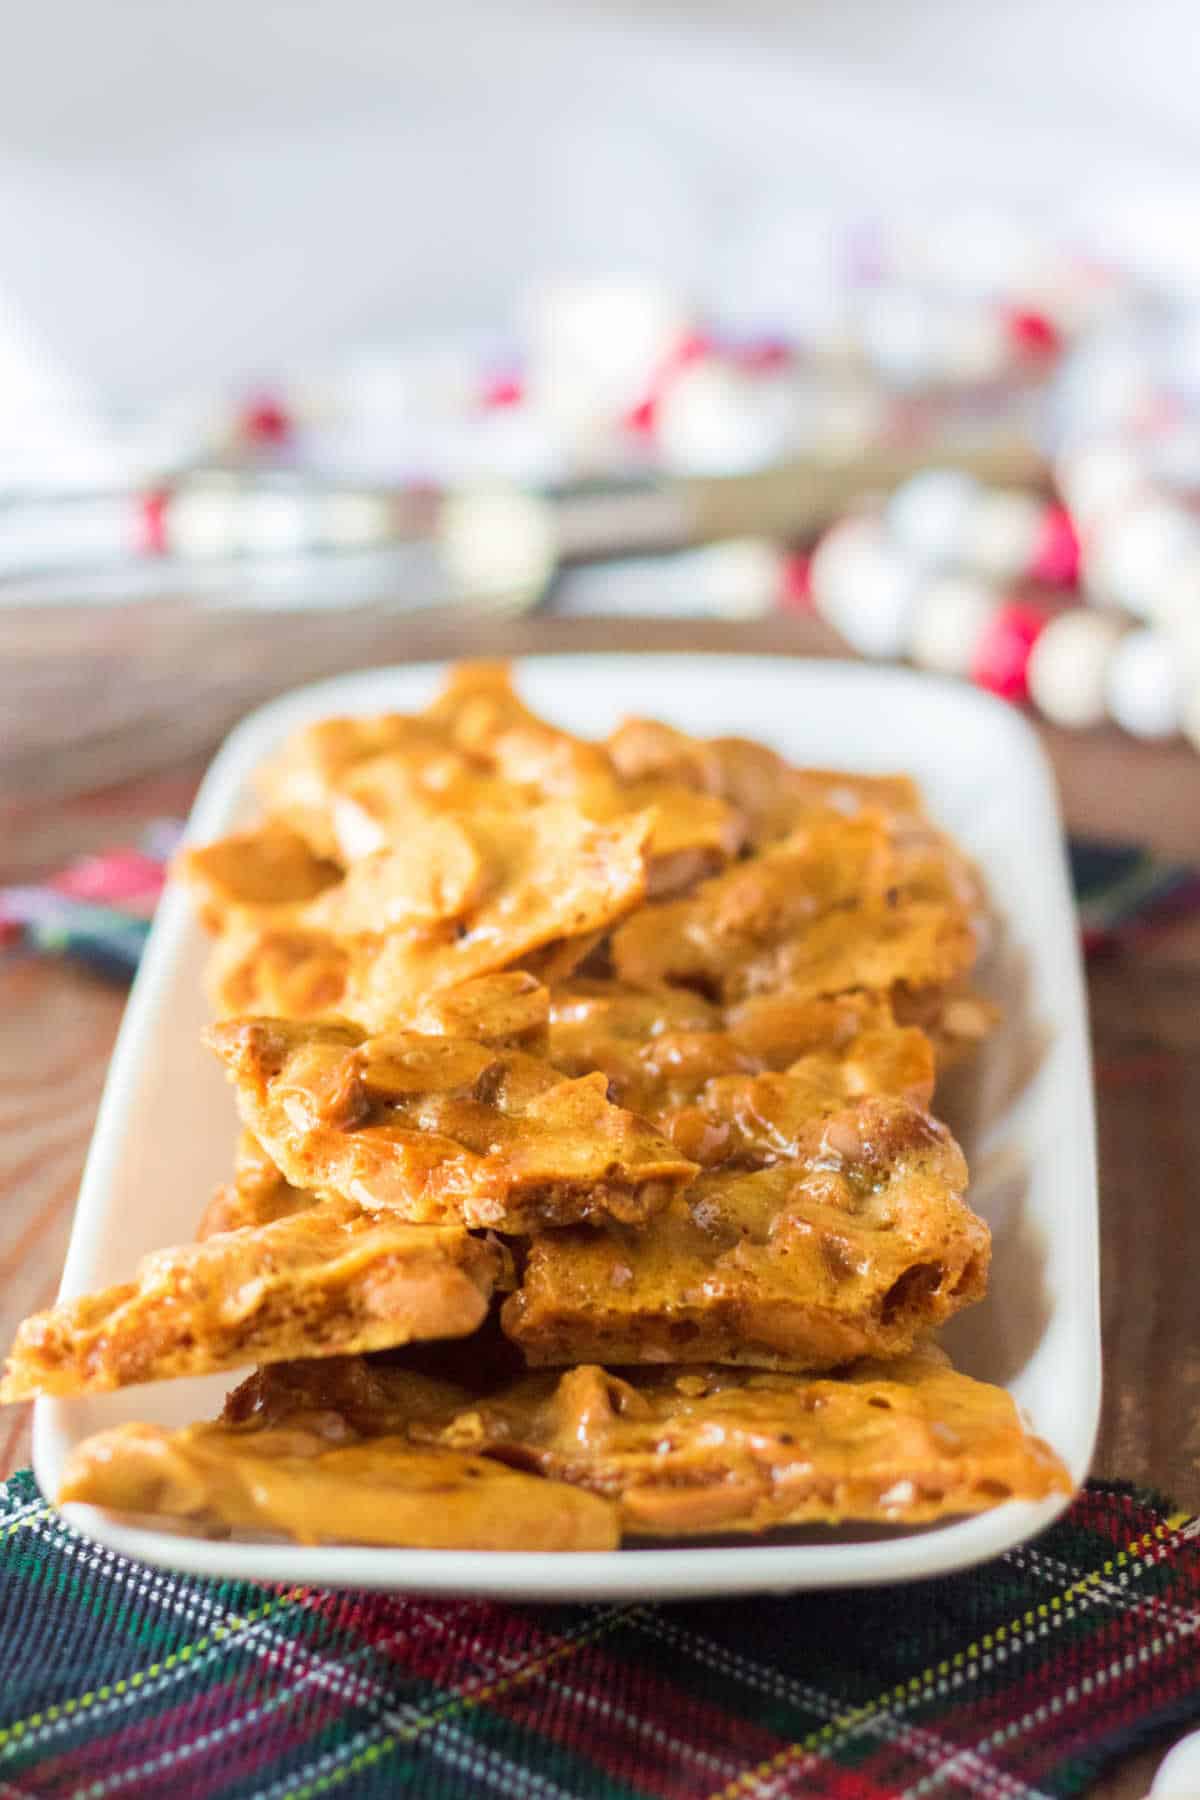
385 1490
373 805
469 896
320 1282
267 872
510 1008
667 1052
686 1451
298 783
554 875
442 1128
771 795
853 1240
257 1195
822 912
290 971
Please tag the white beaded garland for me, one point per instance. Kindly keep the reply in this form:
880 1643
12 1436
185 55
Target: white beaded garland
714 418
1143 688
1002 533
930 515
950 615
864 588
1093 477
1068 667
1129 553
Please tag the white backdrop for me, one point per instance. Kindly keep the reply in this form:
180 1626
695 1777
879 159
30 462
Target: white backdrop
190 192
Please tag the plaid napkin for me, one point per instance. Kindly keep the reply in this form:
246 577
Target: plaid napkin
1023 1678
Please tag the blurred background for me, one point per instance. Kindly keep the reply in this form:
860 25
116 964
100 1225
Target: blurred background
334 332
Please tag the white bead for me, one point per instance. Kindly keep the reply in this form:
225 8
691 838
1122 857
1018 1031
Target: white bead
713 418
595 346
950 615
202 521
276 523
1095 476
899 332
974 344
845 550
498 542
865 589
1175 600
930 514
352 518
1144 689
1129 553
1002 533
1068 666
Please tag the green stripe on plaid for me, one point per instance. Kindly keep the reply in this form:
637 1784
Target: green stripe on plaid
1023 1678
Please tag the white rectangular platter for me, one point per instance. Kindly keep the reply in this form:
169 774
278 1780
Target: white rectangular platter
166 1125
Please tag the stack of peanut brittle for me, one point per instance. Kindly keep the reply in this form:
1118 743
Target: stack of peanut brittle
588 1186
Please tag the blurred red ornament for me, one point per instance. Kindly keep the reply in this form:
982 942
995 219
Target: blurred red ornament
642 420
795 584
1001 659
265 420
1033 332
501 390
152 522
1055 559
763 355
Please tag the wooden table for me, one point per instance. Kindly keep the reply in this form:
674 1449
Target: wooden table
57 1027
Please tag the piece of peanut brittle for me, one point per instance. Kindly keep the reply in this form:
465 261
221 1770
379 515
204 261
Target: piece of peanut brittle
842 1233
442 1128
822 912
699 1451
320 1282
257 1195
294 1482
682 1062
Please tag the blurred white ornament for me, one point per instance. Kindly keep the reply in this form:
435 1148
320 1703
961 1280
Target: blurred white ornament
930 514
595 347
864 587
714 418
1128 553
498 543
1068 668
1096 475
949 618
1176 601
1002 533
1144 687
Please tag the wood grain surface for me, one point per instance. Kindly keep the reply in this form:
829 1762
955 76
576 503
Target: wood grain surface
57 1026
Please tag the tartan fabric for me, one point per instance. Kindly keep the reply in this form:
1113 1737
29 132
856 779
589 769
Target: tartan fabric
1025 1677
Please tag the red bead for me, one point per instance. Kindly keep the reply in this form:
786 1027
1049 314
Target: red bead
795 593
152 522
1055 559
1033 332
642 420
265 421
692 347
501 390
761 357
1001 658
